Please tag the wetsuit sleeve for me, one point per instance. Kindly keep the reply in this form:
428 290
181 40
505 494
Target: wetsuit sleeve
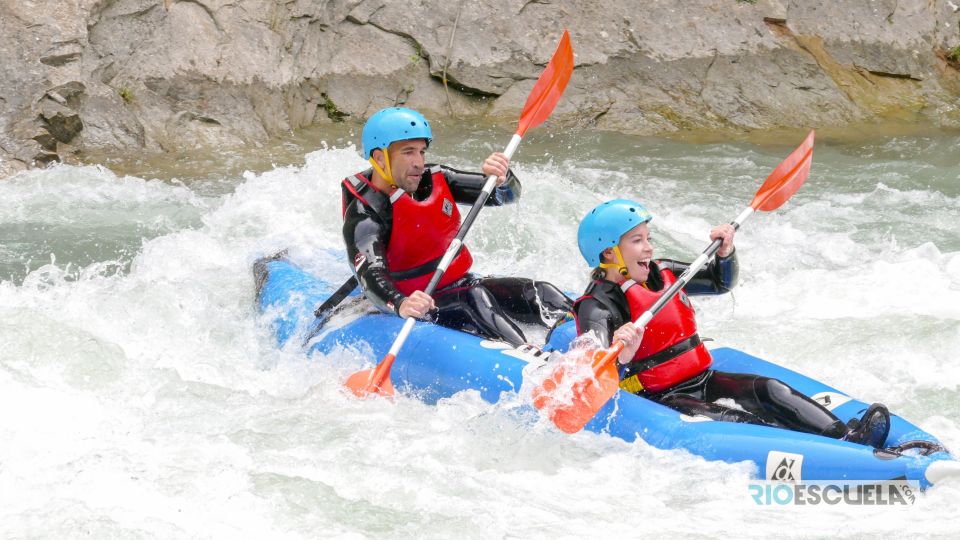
466 187
365 233
594 316
719 276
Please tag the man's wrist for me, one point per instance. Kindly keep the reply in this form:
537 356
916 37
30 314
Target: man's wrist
395 304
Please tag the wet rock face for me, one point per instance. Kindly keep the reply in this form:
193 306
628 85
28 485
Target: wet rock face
171 74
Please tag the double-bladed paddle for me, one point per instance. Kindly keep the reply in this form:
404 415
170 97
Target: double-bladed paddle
543 98
593 393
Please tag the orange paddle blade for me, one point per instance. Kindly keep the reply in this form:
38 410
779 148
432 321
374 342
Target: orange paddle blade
572 399
550 86
786 179
373 381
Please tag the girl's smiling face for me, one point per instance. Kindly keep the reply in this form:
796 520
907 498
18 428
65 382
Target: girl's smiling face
637 250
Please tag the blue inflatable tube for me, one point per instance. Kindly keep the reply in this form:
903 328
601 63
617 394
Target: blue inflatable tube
438 362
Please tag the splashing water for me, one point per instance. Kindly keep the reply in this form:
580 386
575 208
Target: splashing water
144 396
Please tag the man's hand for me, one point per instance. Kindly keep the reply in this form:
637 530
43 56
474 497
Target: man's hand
725 232
497 164
416 305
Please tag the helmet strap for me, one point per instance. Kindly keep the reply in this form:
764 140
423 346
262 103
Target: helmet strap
386 175
619 265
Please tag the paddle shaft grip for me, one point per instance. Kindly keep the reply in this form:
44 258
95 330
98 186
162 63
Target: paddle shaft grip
772 188
688 274
457 242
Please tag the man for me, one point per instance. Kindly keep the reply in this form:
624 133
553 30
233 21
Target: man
401 215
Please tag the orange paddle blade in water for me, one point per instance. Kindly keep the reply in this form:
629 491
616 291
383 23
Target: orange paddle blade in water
373 381
570 399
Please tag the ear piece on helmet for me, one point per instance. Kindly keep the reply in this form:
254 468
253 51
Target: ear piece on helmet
619 264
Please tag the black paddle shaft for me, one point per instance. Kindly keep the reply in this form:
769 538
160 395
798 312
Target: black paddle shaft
685 278
337 297
461 234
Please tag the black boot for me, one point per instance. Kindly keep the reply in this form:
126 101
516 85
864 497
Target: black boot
872 428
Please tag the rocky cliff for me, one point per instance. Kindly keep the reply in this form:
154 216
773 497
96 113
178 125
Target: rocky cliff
155 75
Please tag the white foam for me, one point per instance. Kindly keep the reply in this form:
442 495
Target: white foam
153 401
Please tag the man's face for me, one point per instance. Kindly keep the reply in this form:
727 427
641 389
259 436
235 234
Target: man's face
407 163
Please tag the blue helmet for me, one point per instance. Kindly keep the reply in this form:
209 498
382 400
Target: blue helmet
605 224
393 124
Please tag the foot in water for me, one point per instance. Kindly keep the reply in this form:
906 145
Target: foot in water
871 429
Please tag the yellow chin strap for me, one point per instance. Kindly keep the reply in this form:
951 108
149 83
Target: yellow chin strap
619 265
388 174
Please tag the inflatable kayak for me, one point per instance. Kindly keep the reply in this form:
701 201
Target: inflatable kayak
437 362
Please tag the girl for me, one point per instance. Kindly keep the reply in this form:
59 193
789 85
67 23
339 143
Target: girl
666 361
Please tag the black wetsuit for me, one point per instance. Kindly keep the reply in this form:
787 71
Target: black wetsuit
481 306
763 400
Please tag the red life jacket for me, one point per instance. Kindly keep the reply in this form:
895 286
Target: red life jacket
420 234
670 351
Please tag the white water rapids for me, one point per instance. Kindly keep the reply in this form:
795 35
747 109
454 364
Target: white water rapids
143 397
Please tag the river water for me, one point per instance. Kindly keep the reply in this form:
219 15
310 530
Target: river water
143 396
